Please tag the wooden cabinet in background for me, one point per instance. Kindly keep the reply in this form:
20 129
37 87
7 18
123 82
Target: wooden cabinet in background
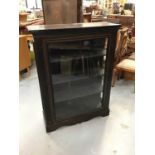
62 11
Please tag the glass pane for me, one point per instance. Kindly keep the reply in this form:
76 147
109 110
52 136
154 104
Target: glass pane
77 72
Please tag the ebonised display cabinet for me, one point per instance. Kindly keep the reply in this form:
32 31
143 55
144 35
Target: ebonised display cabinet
74 65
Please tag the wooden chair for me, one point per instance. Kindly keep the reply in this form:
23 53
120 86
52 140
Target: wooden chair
121 50
124 59
126 66
121 45
24 54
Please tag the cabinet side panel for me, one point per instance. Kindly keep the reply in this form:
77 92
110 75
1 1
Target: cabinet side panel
45 89
109 68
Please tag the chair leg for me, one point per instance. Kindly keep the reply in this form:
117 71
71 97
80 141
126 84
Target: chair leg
28 71
114 77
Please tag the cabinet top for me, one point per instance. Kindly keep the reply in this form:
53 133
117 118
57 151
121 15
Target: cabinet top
71 26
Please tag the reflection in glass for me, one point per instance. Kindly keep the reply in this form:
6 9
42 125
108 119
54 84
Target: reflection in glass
77 72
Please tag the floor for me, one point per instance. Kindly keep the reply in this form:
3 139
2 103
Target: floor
111 135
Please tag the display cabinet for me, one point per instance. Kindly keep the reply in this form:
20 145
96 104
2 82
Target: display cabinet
74 64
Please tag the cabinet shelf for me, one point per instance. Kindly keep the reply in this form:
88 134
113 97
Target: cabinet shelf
71 57
60 78
77 89
72 46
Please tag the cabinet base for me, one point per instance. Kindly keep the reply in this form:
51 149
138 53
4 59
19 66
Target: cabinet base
77 119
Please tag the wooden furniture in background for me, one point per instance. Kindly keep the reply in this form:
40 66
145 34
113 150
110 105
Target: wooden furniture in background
23 17
96 12
87 17
24 54
124 51
131 45
125 20
88 9
131 53
29 37
121 46
126 66
97 18
111 20
62 11
75 85
23 24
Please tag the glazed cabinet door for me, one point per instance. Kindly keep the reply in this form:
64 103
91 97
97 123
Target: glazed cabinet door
77 71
